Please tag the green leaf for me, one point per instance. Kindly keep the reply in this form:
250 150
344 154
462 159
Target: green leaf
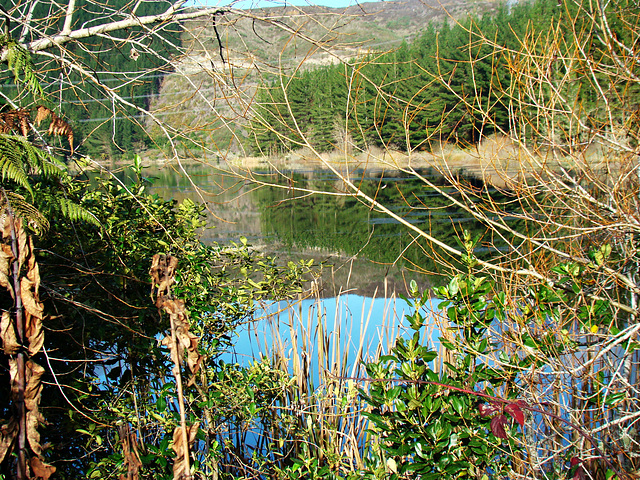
161 404
615 398
454 287
413 288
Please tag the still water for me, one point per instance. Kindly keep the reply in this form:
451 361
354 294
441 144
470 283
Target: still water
369 257
366 249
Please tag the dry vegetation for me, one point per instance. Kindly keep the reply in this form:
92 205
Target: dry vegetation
497 160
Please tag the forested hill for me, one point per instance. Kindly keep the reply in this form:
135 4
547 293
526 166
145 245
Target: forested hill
106 120
243 52
399 74
395 74
444 85
452 83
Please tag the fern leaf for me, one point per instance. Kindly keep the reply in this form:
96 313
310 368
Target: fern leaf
69 209
12 166
19 159
20 63
76 212
19 162
23 209
15 121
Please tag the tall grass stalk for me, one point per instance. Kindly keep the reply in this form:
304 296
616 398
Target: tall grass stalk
323 353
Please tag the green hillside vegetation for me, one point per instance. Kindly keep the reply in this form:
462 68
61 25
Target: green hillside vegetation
447 85
208 100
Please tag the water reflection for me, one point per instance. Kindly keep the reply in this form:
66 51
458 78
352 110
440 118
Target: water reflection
368 249
370 254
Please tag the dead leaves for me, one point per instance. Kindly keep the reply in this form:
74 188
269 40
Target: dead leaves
181 467
8 434
57 125
22 337
5 258
10 343
32 395
15 121
132 460
19 121
41 471
185 340
29 284
34 310
163 268
181 340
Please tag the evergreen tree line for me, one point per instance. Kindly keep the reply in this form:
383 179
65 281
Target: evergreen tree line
102 127
445 86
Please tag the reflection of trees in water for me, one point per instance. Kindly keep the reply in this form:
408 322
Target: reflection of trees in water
231 212
332 228
344 224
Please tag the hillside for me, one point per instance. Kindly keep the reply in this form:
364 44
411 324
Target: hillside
213 86
266 35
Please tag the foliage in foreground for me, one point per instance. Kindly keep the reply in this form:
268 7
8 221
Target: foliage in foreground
499 397
425 415
504 388
95 279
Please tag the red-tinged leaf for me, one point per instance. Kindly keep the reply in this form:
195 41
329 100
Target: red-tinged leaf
488 409
514 410
497 426
579 473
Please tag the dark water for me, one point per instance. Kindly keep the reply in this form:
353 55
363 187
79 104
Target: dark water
363 248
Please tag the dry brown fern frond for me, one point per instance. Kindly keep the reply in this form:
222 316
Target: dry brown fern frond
57 126
15 121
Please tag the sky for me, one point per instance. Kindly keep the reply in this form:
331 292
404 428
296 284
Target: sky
278 3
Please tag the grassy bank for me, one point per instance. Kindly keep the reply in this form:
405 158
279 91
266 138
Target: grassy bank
496 160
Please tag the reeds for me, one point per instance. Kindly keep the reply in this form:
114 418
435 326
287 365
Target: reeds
324 353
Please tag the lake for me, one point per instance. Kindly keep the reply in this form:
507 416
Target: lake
369 257
367 250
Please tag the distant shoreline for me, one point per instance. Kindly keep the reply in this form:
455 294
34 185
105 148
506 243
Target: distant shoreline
496 161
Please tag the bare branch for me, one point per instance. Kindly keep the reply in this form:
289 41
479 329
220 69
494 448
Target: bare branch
170 15
66 29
